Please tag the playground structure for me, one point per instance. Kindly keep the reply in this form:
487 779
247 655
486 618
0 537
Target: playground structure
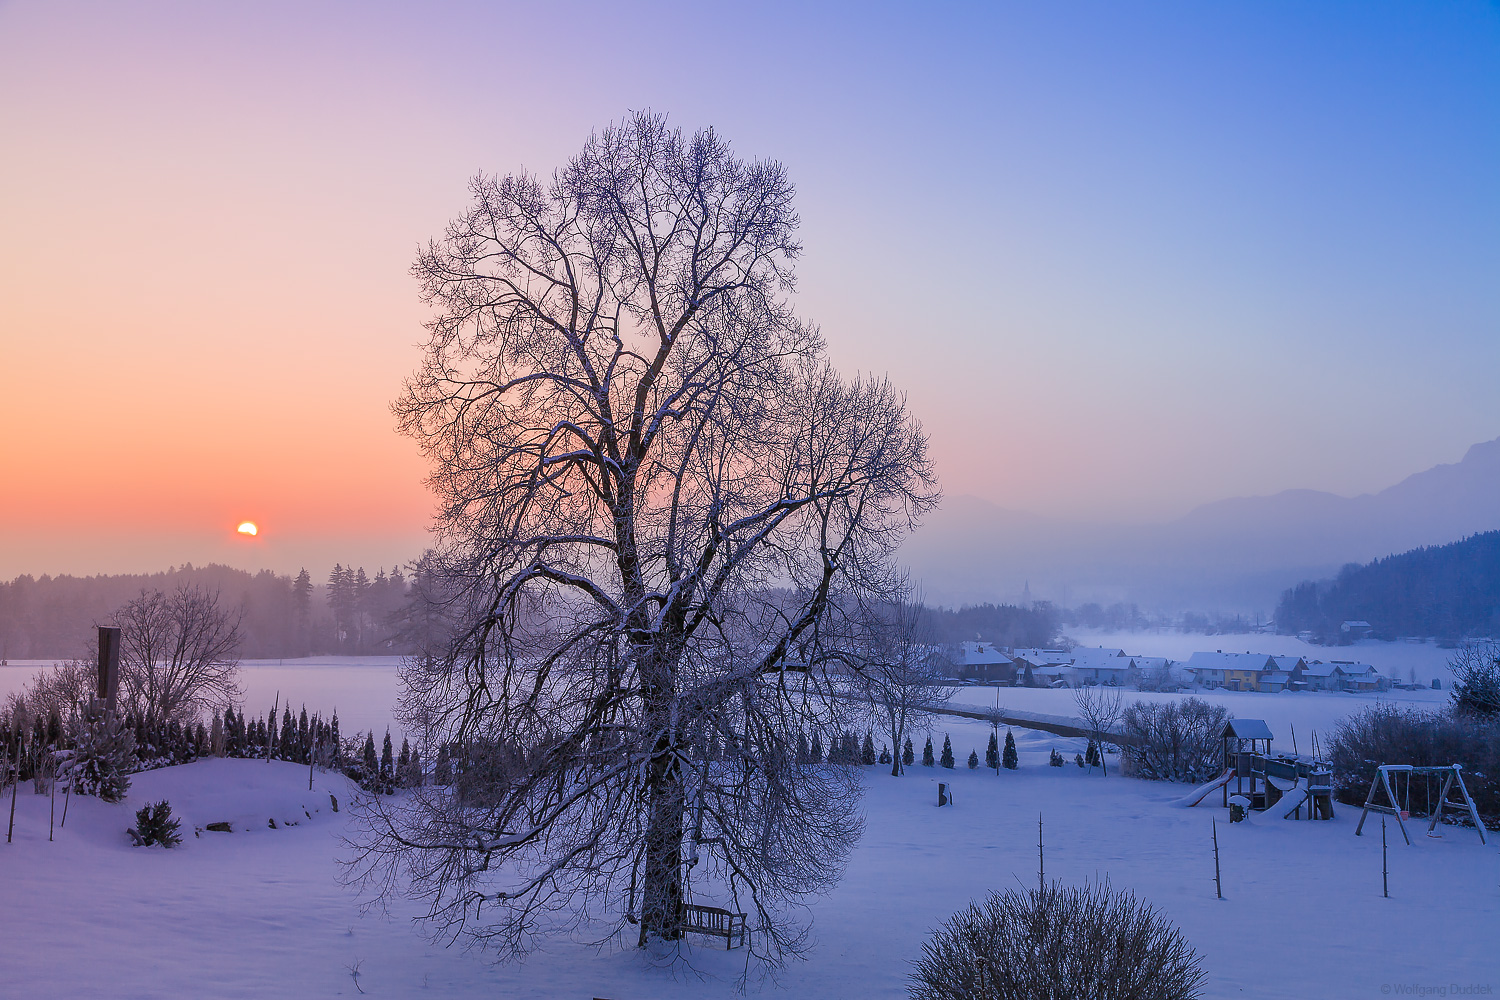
1286 784
1400 806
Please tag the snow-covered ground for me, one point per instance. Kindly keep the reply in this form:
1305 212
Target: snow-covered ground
260 912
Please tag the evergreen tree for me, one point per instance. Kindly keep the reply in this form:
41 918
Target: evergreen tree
442 771
973 759
867 752
1091 755
1011 760
927 758
333 737
1055 759
371 765
387 761
1078 759
817 748
947 759
907 754
992 753
804 751
302 610
885 754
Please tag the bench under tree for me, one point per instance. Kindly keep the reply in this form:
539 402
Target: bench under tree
714 921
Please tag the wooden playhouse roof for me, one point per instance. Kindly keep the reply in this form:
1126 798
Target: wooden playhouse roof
1248 729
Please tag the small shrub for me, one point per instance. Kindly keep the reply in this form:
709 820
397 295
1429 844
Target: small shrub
973 760
928 760
1056 760
1078 759
155 825
947 758
103 758
1058 942
1010 759
907 755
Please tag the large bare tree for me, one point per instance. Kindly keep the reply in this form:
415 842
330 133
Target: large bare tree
655 497
178 654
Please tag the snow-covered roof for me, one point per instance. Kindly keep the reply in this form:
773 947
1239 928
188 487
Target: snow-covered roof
1097 656
1318 668
1248 729
1041 657
1231 661
1150 662
1351 669
1286 662
983 654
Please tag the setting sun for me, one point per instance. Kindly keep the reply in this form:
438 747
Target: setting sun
247 528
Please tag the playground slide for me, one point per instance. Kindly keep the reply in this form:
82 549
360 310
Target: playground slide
1200 793
1294 798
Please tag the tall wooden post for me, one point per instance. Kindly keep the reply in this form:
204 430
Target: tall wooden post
109 665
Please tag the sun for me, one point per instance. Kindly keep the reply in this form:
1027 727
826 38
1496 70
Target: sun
248 528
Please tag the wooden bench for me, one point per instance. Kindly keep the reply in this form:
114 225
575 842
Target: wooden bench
715 921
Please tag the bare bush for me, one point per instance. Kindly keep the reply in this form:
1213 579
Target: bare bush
1384 733
1058 942
1476 680
1100 709
1177 740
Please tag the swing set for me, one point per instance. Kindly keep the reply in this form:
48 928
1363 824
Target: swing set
1389 779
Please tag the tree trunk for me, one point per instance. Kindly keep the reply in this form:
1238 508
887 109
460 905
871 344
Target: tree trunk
662 895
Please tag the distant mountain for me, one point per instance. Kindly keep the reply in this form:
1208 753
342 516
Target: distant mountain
1237 554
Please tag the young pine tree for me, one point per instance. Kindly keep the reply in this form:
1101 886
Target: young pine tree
1011 760
368 756
867 752
817 748
992 753
927 758
885 754
947 760
907 754
387 761
804 752
973 759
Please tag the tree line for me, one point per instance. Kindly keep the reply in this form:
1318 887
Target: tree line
1447 591
350 612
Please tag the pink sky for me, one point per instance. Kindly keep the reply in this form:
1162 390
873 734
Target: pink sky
1124 263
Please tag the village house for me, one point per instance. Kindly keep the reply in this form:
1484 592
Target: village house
1231 671
985 663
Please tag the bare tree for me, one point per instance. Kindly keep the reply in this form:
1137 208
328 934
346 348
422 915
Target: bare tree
655 497
178 654
898 674
1100 709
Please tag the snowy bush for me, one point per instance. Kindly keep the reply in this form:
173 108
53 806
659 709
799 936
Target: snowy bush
104 755
1056 759
947 759
1177 740
928 760
973 759
155 825
1010 759
1058 942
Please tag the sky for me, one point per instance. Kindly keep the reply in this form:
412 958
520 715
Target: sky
1124 258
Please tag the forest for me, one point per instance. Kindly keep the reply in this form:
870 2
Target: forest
1445 591
349 613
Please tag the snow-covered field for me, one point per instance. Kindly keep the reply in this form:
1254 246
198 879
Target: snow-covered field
260 912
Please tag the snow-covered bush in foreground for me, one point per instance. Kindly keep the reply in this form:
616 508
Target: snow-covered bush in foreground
1178 741
1058 942
155 825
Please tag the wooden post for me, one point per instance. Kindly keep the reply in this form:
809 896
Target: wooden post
1385 870
1218 884
1041 861
12 828
109 666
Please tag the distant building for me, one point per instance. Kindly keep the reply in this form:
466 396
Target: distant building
985 662
1231 671
1356 630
